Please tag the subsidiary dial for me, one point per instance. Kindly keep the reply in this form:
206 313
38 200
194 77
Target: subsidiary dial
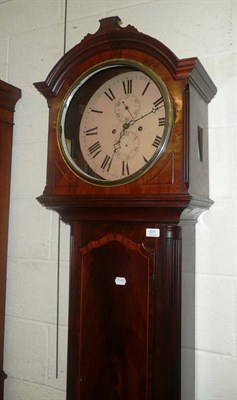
128 146
127 108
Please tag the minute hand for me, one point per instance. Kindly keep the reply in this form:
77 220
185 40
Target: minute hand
153 110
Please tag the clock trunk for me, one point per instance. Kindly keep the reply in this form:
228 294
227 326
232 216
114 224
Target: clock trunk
127 341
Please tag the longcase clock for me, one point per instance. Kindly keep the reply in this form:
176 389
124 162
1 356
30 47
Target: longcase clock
9 95
127 161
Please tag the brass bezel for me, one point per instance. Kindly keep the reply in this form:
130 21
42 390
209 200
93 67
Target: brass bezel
68 98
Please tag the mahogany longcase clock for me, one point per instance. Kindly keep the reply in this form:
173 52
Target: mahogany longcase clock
9 95
127 157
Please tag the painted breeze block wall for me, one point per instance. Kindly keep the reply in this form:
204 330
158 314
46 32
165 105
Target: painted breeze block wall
31 42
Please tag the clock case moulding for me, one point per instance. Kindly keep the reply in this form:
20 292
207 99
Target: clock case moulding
179 179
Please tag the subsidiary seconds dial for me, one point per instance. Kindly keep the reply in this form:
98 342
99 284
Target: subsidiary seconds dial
122 129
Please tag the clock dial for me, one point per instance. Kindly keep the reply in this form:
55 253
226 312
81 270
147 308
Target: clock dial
122 126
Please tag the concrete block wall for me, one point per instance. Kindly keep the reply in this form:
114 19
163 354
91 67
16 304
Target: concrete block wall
31 42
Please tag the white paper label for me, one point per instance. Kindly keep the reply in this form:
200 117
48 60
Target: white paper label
152 232
120 281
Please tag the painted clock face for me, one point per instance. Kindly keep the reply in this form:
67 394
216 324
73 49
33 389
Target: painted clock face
115 125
